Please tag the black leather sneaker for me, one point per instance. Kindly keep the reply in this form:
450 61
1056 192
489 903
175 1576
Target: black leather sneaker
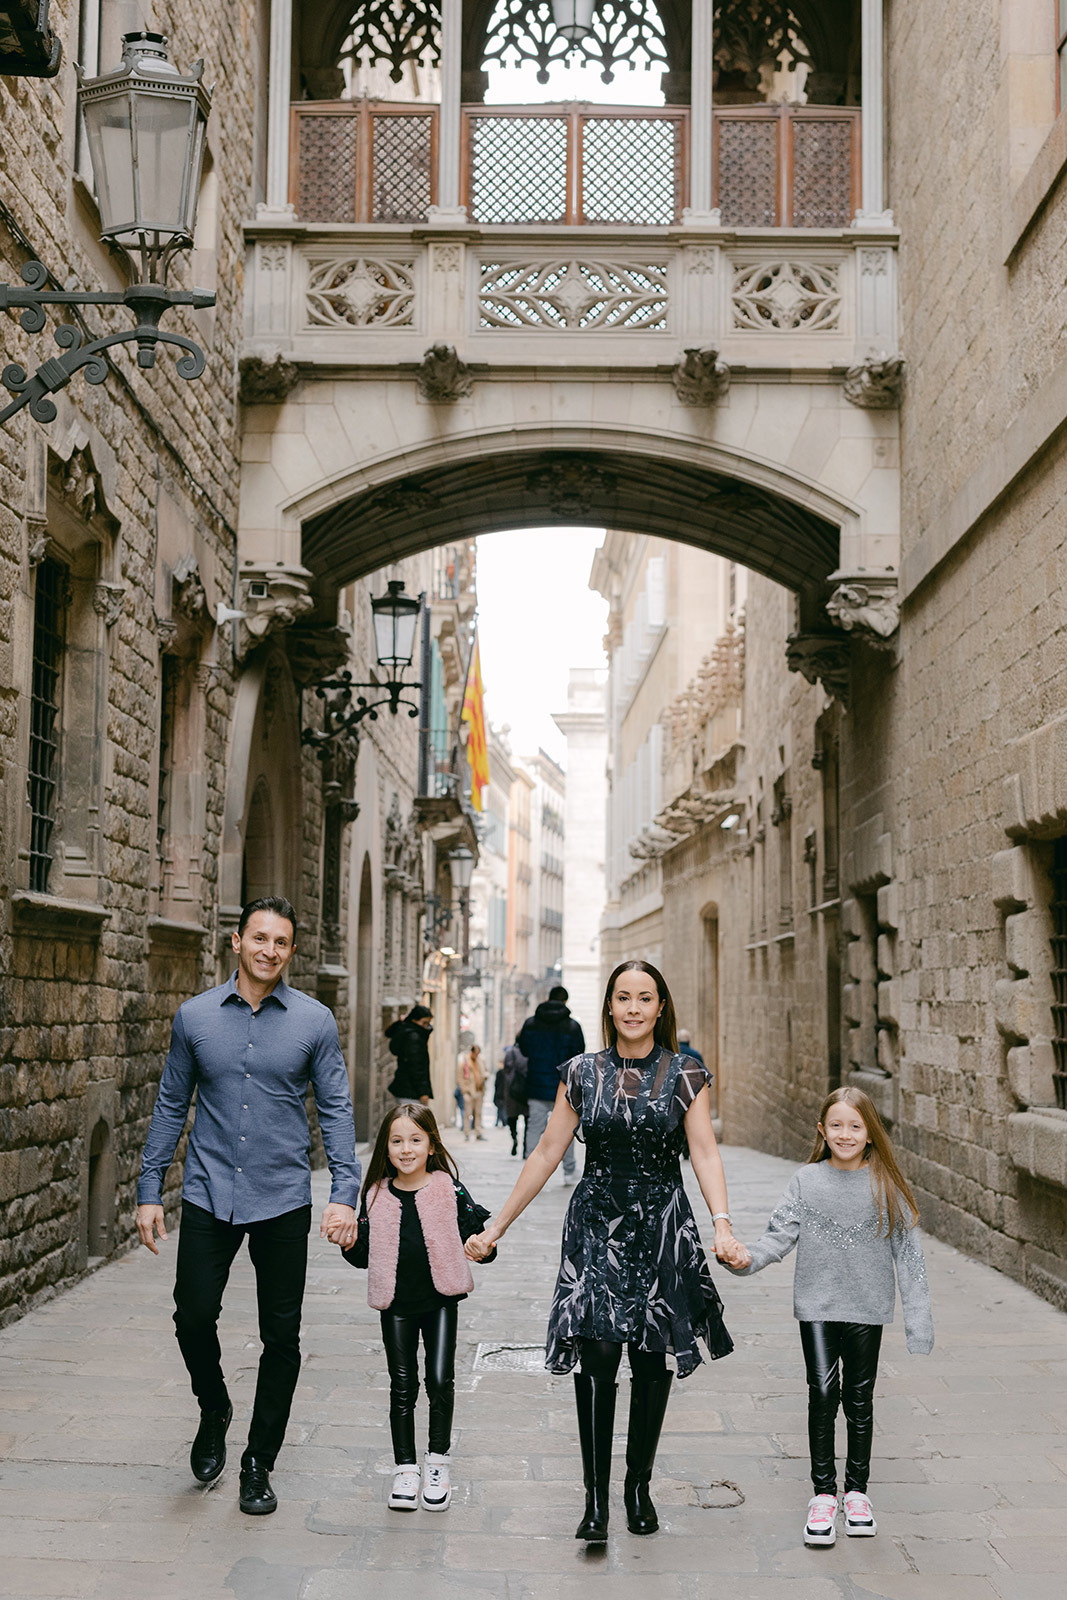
208 1455
257 1497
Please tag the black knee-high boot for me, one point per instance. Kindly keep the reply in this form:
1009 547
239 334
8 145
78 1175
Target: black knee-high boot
595 1399
648 1406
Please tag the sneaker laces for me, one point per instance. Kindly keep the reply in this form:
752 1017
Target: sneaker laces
857 1505
435 1471
822 1508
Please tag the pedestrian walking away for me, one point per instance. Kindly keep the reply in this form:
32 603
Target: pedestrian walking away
633 1270
500 1094
414 1218
852 1219
515 1104
548 1039
686 1048
409 1041
249 1048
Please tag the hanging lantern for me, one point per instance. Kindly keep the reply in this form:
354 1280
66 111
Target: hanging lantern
573 18
396 617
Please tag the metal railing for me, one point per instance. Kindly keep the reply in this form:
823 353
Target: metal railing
773 166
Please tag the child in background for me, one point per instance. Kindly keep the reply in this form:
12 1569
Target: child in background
414 1218
852 1217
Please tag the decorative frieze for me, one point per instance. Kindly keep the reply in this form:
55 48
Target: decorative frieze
786 296
361 292
575 295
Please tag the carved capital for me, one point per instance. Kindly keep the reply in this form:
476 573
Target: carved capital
876 382
442 377
699 377
167 634
107 601
821 658
273 595
190 599
267 379
37 549
867 607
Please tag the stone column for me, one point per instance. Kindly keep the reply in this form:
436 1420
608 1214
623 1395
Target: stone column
698 214
448 211
281 51
872 87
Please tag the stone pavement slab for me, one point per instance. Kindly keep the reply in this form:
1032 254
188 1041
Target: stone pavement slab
96 1499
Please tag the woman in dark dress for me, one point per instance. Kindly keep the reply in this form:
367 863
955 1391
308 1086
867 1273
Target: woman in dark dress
633 1271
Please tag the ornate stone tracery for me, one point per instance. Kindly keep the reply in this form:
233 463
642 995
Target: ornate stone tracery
397 31
786 295
361 292
625 33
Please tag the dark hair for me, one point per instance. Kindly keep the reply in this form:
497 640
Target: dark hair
558 992
379 1167
418 1014
666 1033
888 1184
277 903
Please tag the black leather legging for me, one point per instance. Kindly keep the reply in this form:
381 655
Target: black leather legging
601 1357
401 1336
842 1364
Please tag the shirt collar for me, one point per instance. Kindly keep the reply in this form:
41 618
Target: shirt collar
281 992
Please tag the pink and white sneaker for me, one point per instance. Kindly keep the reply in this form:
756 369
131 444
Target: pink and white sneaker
821 1526
859 1518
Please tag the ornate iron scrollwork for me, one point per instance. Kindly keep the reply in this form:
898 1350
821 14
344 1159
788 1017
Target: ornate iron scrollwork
397 31
625 33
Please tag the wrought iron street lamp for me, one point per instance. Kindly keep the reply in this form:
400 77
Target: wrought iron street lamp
395 616
145 123
573 18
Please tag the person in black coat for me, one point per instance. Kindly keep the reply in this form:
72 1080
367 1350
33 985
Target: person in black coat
548 1039
409 1040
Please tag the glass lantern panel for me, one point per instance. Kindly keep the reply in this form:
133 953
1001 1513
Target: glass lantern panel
394 633
163 134
107 128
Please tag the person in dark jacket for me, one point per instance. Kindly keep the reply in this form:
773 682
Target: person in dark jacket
409 1040
548 1039
685 1048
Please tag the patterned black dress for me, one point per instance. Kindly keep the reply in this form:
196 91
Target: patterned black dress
632 1267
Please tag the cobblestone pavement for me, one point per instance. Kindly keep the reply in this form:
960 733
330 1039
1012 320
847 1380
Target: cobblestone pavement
96 1499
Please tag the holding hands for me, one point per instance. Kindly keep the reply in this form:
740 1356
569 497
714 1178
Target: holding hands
481 1245
731 1252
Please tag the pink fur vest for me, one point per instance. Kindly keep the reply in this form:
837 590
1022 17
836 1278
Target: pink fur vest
435 1203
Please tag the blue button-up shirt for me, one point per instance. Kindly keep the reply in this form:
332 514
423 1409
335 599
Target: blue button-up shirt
249 1151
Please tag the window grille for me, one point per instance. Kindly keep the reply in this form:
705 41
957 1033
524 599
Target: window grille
49 630
1059 971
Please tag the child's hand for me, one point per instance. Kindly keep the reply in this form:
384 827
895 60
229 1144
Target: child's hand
480 1245
737 1255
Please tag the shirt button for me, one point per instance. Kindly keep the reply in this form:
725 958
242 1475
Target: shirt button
239 1169
244 1108
248 1074
250 1047
242 1138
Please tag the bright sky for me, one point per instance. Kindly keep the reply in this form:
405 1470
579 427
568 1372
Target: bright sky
537 618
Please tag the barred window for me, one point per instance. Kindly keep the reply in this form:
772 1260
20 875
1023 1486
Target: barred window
49 643
1059 971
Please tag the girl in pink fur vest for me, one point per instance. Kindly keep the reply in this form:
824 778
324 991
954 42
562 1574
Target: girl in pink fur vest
414 1218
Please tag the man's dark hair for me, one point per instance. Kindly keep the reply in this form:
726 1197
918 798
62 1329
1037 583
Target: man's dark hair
268 902
558 992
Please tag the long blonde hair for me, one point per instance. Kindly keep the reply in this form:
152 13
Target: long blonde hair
888 1184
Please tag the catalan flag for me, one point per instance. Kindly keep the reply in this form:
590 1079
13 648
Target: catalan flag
473 714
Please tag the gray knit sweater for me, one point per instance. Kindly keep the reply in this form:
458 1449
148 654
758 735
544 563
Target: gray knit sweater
844 1268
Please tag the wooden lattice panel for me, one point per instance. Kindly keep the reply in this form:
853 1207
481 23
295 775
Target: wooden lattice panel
328 168
748 173
518 169
631 170
403 173
822 173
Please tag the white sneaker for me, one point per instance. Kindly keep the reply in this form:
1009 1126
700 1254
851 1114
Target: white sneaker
859 1518
436 1483
821 1527
404 1495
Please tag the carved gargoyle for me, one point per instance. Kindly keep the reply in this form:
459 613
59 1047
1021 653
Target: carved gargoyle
871 611
442 377
267 379
820 658
699 377
876 382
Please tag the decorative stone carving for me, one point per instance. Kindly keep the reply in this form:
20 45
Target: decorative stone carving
576 295
786 296
447 257
876 382
189 596
273 595
571 486
107 601
868 608
267 379
167 634
821 658
404 498
316 653
361 292
38 549
442 377
699 377
208 676
78 483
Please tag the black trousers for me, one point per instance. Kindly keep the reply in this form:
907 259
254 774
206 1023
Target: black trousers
401 1337
842 1364
601 1358
278 1248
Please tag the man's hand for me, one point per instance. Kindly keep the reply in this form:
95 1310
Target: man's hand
339 1225
149 1223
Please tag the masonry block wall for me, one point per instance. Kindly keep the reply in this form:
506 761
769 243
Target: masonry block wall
134 475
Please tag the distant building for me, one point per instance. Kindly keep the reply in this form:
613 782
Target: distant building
584 725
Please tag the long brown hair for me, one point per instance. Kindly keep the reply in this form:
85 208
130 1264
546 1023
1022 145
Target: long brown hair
379 1167
888 1184
666 1033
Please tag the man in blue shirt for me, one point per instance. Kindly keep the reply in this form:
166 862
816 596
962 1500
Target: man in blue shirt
249 1048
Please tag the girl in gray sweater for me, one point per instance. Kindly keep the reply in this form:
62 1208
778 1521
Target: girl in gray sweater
851 1217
